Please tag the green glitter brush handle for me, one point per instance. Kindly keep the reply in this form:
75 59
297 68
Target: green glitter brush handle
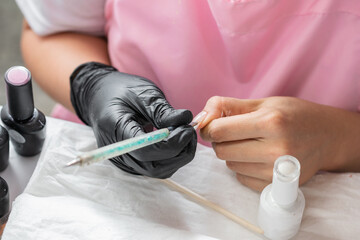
119 148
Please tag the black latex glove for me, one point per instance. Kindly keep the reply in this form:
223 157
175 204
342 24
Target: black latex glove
119 106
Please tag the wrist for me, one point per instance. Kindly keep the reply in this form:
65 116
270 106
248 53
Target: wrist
346 142
351 143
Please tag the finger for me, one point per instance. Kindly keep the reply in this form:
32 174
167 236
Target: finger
162 168
164 115
166 168
261 171
170 117
253 183
155 108
127 127
167 148
217 107
237 127
251 150
110 128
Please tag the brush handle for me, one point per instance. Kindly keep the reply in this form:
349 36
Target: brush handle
128 145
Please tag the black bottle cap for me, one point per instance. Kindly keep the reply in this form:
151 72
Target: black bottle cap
4 148
19 93
4 198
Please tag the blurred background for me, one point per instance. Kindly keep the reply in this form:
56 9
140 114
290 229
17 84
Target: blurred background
10 54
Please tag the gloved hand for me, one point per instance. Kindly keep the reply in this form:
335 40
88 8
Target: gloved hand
119 106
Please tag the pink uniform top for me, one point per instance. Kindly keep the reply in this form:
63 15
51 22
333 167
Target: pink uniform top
195 49
240 48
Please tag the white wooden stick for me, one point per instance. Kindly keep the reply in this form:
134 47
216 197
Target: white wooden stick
212 205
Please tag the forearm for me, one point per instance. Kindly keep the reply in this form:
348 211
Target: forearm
52 59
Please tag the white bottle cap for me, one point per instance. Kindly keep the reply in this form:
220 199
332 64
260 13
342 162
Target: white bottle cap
285 182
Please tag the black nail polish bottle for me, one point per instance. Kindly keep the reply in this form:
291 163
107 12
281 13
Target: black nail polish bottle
4 204
4 149
25 124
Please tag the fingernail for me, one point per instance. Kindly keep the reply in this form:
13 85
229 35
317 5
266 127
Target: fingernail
198 119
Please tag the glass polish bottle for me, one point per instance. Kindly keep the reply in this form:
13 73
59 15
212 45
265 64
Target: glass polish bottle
25 124
4 204
282 203
4 148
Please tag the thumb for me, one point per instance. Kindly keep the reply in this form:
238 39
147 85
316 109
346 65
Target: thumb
161 114
167 116
217 107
